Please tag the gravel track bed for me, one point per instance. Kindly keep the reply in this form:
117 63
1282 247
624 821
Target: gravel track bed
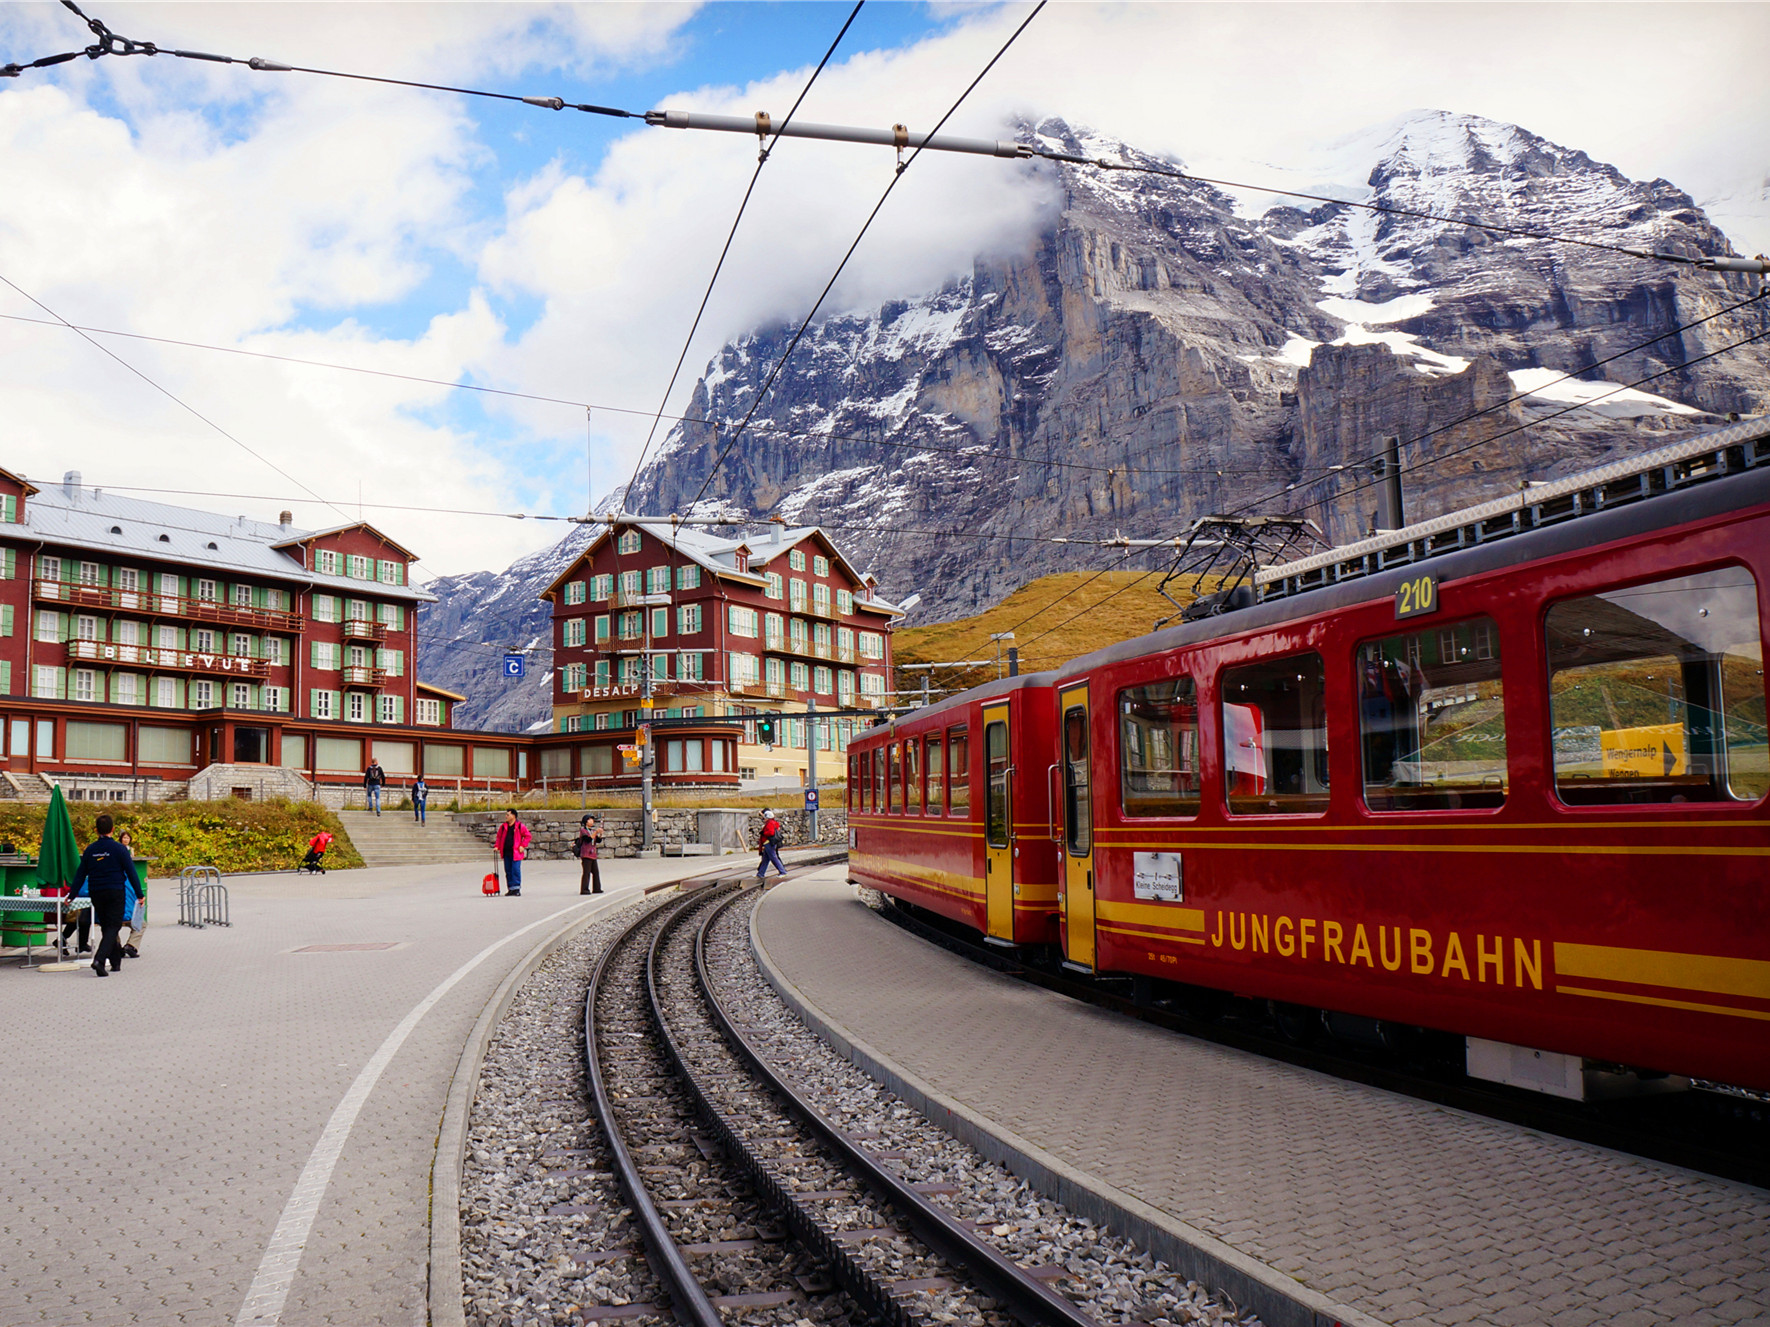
1105 1275
702 1197
797 1159
533 1149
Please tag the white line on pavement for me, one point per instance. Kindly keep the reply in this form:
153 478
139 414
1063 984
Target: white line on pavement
282 1256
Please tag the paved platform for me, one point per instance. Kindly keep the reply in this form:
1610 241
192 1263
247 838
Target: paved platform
157 1121
1399 1211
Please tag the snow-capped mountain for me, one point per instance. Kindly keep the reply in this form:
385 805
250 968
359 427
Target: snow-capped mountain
1170 348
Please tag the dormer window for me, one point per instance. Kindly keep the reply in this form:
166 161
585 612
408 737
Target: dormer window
741 556
628 542
325 561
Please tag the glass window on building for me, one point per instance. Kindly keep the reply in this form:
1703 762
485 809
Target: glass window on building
1656 692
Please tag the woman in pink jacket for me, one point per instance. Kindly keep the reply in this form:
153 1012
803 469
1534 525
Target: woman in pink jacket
512 844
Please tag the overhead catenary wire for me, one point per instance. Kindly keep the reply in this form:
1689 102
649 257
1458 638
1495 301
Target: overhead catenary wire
762 157
896 175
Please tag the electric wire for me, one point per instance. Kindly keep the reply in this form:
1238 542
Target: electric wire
762 394
762 157
172 396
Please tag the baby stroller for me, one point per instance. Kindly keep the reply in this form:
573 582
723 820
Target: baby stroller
316 850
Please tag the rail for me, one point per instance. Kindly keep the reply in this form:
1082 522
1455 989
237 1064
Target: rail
1029 1300
167 605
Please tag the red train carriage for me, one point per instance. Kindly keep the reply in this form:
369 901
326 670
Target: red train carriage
1515 791
948 808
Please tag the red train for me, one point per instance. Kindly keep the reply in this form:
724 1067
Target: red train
1501 774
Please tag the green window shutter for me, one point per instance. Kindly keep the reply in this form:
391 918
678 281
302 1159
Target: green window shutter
5 678
6 620
8 564
313 704
10 507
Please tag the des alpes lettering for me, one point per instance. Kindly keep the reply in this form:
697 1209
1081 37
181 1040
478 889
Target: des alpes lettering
1410 949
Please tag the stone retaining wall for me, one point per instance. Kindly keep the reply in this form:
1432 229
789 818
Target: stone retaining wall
554 831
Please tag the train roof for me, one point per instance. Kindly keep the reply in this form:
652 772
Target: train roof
1716 472
1002 686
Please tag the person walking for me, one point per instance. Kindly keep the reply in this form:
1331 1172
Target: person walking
137 920
512 844
106 875
588 843
373 778
768 844
420 795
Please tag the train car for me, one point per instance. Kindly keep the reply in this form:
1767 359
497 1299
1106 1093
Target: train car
949 809
1501 774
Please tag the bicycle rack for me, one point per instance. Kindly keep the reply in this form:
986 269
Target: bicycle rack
202 898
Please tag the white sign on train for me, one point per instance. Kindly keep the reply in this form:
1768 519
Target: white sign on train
1156 875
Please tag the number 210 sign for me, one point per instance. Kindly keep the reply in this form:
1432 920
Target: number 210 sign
1416 595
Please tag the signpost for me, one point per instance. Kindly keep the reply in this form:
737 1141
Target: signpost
515 665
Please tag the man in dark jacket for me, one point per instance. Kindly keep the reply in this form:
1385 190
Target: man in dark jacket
107 870
373 778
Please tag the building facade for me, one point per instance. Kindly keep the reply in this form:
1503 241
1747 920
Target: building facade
143 641
728 629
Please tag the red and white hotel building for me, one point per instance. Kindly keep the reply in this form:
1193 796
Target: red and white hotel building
766 623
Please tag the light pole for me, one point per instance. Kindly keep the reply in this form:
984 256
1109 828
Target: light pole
999 637
648 752
811 760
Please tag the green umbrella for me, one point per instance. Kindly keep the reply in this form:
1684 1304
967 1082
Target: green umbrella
60 855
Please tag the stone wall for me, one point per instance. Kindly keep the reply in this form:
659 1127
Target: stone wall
554 831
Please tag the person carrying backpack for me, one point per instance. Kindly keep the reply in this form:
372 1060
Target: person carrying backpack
768 845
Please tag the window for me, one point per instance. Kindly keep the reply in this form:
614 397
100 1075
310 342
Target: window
797 634
687 578
95 741
894 779
323 654
240 696
338 754
822 681
358 568
391 573
743 669
166 638
202 694
85 628
356 707
574 592
632 624
820 639
48 625
276 699
602 672
240 596
872 684
602 588
1158 748
275 650
48 568
602 625
393 661
164 746
995 810
1656 692
820 599
443 761
8 563
742 621
390 708
240 645
9 508
844 601
325 608
206 590
800 676
91 574
124 688
935 771
630 581
872 645
845 686
774 631
629 542
629 670
428 711
491 762
657 580
688 618
1078 809
1275 737
7 613
46 681
203 640
690 666
392 616
660 621
660 667
820 566
85 684
325 561
574 677
774 589
573 633
1431 719
796 559
912 776
166 692
128 579
796 595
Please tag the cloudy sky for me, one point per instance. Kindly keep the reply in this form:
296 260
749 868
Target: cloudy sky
563 255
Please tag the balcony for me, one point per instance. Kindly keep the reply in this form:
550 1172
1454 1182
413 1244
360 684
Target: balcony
625 600
770 690
358 675
167 605
183 661
806 649
358 629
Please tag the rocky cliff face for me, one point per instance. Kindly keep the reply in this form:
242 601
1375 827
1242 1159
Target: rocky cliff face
1160 353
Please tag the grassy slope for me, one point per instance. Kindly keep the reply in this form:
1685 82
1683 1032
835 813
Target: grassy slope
1079 611
232 836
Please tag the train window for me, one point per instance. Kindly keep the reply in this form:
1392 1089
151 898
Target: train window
879 760
894 779
1078 814
958 769
1158 748
995 818
912 776
1275 737
935 769
1432 719
853 783
1656 692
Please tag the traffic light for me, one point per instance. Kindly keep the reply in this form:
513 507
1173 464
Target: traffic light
765 731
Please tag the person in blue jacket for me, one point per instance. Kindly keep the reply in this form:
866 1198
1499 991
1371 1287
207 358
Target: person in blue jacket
107 876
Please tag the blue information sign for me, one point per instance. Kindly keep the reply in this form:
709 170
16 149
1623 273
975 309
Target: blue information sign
514 665
811 799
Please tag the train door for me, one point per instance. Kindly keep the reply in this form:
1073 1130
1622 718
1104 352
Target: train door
998 825
1078 828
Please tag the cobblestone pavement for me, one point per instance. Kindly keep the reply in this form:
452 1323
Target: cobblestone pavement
157 1120
1407 1211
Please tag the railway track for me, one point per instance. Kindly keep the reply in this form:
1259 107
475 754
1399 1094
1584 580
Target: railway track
751 1204
1715 1132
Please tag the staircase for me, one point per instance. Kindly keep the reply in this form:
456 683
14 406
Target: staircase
23 787
395 839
